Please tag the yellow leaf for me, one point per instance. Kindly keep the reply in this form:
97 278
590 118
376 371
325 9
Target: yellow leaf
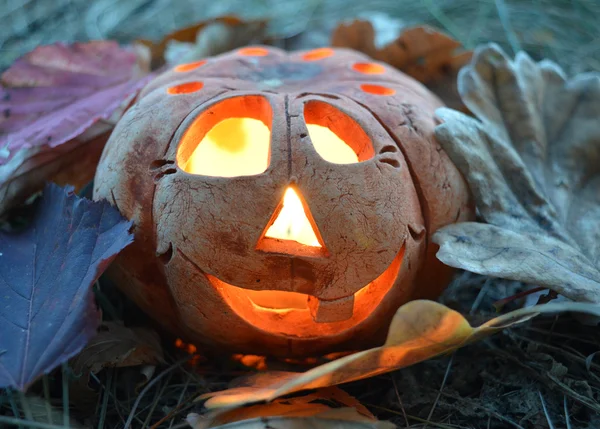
322 407
420 330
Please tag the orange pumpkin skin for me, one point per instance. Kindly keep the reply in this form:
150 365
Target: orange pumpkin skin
201 263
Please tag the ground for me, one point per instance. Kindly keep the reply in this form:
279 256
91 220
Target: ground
526 377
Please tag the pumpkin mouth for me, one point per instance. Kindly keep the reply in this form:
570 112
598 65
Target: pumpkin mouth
301 315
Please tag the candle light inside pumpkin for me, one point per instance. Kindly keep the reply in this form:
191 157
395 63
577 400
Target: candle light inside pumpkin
241 147
234 147
292 222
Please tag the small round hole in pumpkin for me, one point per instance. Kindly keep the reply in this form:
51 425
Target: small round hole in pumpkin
368 68
185 88
377 89
254 52
317 54
229 139
189 66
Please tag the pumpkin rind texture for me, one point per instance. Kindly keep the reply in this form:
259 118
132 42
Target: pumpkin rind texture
204 262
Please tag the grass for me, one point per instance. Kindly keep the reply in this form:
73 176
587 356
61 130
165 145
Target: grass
525 377
565 31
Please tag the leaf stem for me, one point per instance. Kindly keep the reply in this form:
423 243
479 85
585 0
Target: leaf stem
65 394
499 305
147 388
105 396
508 29
33 424
13 405
25 404
444 21
46 385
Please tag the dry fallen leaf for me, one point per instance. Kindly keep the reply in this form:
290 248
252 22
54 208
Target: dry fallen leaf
315 422
420 330
532 160
48 310
322 407
431 57
118 346
114 346
59 103
204 39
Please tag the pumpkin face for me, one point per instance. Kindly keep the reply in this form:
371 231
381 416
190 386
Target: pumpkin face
282 203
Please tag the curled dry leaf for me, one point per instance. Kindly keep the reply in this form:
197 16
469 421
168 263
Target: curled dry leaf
322 407
58 104
431 57
316 422
117 346
47 309
532 160
420 330
204 39
113 346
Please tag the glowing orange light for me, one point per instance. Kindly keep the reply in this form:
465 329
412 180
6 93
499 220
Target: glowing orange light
258 363
330 146
318 54
185 88
189 66
234 147
292 222
377 89
369 68
254 52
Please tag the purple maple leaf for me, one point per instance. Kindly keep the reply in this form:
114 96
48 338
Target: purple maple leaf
56 92
47 309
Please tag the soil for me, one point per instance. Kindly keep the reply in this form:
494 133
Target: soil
542 374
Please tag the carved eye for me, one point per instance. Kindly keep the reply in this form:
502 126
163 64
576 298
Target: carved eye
336 137
230 139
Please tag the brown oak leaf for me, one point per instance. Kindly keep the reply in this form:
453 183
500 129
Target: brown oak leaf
431 57
114 346
532 161
206 38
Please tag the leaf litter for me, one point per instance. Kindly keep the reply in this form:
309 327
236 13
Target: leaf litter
449 402
532 161
47 270
59 104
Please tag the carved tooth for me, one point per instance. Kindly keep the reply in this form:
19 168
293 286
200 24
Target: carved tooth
331 311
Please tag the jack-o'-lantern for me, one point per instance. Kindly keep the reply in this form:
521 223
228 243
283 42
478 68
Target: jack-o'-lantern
283 203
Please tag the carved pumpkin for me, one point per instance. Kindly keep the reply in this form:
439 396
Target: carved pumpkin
283 203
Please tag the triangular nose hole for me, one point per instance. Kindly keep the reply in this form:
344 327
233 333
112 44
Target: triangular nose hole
292 229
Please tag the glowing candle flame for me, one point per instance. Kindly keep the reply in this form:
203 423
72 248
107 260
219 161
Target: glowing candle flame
292 222
330 146
234 147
